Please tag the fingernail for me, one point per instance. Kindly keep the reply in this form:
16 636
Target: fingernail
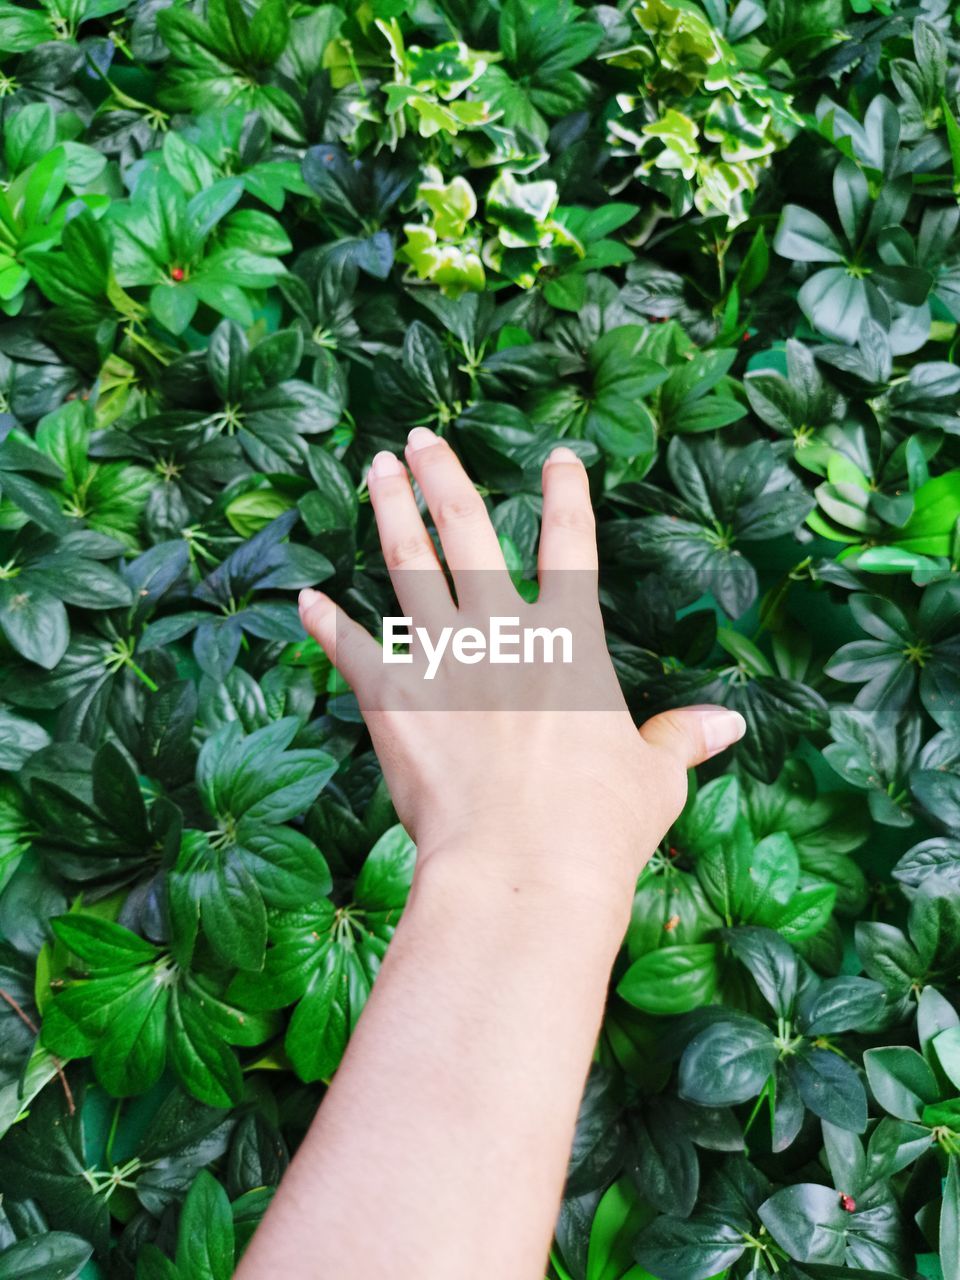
421 438
308 597
385 463
721 729
562 454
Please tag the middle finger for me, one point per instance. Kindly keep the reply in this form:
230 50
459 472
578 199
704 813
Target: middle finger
410 556
468 538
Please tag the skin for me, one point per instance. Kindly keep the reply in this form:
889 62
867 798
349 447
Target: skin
440 1150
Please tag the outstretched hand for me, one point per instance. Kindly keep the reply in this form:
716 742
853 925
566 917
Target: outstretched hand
534 749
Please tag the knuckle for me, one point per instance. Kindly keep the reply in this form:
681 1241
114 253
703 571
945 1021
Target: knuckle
577 519
405 551
341 652
438 455
682 731
389 488
458 510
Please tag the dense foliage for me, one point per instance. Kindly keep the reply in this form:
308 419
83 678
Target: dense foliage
716 250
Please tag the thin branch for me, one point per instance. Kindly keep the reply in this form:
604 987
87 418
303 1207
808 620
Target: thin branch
68 1092
25 1018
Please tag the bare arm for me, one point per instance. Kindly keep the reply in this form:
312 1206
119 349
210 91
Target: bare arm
440 1150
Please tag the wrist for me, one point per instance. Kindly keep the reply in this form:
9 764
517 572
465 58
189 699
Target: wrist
557 886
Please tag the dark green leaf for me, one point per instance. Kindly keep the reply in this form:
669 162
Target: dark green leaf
727 1063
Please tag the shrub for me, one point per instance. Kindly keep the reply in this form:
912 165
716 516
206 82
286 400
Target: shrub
713 248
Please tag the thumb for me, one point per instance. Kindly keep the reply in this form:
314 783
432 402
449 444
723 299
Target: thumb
694 734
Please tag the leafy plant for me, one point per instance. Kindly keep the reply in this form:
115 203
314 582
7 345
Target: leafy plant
904 652
697 94
324 960
676 938
868 281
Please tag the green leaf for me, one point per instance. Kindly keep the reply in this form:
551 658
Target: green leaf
946 1049
713 812
287 867
270 786
953 140
54 1256
30 134
772 964
672 980
424 360
34 622
808 1221
950 1223
838 303
19 739
101 945
830 1088
205 1242
174 305
722 868
844 1004
130 1054
755 264
318 1031
153 1265
689 1249
934 1014
620 1214
384 880
116 791
204 1064
21 30
616 419
900 1080
772 881
567 293
47 180
804 237
727 1063
894 1146
234 916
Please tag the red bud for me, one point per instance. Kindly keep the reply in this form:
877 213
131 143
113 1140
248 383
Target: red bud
847 1203
177 273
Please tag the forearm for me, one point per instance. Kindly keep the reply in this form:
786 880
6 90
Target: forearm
439 1152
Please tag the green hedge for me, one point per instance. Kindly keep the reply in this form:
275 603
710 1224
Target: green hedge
712 248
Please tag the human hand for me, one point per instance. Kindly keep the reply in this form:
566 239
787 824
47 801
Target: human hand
532 772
